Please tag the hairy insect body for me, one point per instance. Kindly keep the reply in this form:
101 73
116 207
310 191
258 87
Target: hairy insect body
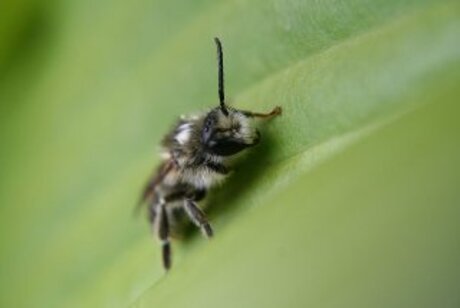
195 157
195 165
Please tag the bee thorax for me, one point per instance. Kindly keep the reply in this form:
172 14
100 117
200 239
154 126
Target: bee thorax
201 177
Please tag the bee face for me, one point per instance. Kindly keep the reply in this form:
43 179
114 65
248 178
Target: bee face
226 134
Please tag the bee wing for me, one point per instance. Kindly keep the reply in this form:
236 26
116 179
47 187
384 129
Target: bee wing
156 178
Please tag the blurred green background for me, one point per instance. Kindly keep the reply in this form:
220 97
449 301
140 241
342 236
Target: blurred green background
351 200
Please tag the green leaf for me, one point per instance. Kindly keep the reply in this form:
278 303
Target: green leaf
350 200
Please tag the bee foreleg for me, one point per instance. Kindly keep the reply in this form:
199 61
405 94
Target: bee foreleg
275 112
198 217
218 168
162 229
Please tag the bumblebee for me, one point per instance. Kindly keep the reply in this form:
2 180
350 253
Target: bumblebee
195 157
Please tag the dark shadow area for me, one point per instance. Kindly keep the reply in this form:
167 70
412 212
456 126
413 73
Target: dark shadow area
23 51
31 33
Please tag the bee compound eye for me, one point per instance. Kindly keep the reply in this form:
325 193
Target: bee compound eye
207 131
208 124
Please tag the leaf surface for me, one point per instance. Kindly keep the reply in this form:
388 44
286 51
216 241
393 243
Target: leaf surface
349 200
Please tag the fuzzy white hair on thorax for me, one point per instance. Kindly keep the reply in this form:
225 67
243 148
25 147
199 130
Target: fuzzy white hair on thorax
184 132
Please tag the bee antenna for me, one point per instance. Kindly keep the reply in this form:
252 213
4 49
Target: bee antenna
220 65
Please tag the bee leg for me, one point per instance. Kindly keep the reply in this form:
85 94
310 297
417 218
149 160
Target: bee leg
198 217
162 230
219 168
275 112
199 195
152 211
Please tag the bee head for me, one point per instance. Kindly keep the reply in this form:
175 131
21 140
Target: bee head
226 134
226 131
